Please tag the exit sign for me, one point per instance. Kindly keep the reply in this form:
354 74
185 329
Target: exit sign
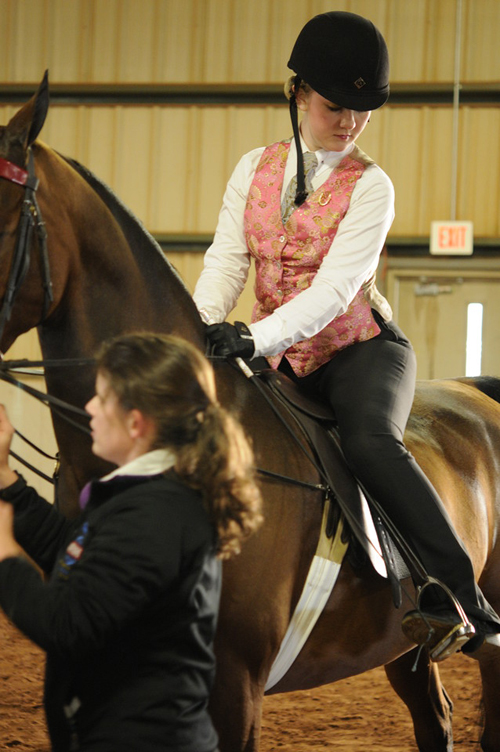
452 238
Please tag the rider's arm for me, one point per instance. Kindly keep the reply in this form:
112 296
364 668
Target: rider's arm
227 260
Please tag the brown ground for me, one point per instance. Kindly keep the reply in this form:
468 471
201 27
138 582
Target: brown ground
355 715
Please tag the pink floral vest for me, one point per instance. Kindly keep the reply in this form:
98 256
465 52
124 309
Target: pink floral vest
288 256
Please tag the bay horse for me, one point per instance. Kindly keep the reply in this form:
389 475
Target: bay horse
101 274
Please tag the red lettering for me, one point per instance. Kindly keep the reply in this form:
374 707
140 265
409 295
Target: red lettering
452 237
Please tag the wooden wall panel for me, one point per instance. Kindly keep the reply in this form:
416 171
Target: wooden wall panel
170 164
190 265
479 157
24 42
120 41
481 23
421 39
414 147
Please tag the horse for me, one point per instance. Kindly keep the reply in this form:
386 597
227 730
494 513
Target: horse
90 271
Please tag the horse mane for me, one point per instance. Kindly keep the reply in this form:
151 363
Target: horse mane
136 234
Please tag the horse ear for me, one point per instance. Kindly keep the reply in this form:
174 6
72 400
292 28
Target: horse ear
27 123
41 108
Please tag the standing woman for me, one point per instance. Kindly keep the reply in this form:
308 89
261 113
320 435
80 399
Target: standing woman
128 615
313 212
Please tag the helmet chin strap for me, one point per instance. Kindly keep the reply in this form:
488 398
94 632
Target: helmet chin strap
301 193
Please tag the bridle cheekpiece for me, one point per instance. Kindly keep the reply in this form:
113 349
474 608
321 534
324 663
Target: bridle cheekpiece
30 219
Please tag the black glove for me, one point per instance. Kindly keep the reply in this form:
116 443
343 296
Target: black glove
231 341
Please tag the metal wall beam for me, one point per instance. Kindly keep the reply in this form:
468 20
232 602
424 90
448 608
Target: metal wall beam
232 94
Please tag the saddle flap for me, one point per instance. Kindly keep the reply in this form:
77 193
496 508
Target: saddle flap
307 404
348 495
317 421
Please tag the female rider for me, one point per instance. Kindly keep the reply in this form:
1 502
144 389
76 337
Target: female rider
319 317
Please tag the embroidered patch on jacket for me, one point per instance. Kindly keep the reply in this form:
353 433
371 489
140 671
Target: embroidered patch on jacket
73 552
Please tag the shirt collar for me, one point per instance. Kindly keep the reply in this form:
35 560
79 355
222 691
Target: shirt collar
150 463
329 158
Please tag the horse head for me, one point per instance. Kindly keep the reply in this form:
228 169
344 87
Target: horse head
77 265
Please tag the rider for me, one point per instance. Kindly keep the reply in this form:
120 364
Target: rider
319 317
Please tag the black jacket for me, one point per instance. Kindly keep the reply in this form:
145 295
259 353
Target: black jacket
127 617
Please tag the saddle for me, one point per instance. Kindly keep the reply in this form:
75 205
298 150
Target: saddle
363 523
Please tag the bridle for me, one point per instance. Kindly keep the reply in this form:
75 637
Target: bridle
30 219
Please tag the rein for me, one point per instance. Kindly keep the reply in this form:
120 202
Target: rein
247 371
30 219
57 406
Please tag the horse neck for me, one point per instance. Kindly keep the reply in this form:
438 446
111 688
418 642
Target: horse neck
104 284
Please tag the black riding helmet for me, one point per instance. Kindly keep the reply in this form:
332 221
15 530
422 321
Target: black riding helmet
344 58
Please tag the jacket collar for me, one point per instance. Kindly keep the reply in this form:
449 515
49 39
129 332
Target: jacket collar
137 471
151 463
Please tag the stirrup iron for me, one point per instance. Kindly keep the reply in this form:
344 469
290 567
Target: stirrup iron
458 635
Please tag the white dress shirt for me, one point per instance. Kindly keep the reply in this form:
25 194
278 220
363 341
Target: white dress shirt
352 259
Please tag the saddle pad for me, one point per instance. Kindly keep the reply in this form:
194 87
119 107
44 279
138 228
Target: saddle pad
318 586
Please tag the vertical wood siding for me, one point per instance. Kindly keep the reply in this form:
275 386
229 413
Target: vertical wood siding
158 41
170 164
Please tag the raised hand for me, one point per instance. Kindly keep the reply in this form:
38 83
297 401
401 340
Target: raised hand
7 475
8 544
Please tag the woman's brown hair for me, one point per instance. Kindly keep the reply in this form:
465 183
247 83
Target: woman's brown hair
171 382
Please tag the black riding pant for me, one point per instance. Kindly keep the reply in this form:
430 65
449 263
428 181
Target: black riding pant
370 386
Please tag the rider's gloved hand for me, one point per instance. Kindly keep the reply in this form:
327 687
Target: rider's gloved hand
231 341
